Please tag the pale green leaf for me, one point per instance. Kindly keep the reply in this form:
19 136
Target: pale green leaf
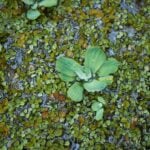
83 73
48 3
66 78
101 100
28 2
94 58
66 66
35 6
96 106
75 92
94 86
33 14
99 114
109 67
107 79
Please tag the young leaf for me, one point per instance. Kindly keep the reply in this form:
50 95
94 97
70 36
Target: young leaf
94 86
107 79
67 66
101 100
99 114
96 106
48 3
33 14
66 78
35 6
28 2
83 73
94 58
110 66
75 92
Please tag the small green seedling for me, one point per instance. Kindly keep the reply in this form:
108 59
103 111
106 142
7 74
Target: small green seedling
33 13
97 106
94 76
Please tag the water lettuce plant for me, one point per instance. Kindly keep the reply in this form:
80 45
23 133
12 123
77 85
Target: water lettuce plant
97 106
94 76
33 13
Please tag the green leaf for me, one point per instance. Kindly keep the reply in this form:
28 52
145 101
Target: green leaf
101 100
66 78
94 86
33 14
35 6
83 73
67 66
28 2
96 106
110 66
107 79
48 3
75 92
99 114
94 58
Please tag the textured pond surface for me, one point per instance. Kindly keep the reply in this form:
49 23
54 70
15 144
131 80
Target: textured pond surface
35 112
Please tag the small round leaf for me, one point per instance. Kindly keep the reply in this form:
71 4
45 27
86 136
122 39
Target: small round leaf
75 92
99 114
33 14
101 100
96 106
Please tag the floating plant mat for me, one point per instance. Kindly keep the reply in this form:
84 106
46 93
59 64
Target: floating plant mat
35 111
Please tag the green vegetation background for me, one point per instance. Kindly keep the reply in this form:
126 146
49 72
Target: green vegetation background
34 110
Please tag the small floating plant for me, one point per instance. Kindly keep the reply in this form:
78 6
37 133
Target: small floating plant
94 76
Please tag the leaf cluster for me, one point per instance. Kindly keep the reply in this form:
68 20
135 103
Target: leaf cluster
94 76
33 13
97 106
